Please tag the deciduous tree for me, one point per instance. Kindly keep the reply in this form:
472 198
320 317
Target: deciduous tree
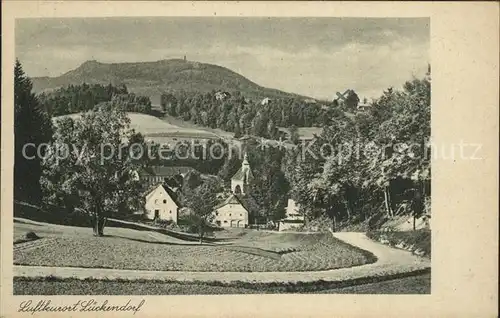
201 201
90 165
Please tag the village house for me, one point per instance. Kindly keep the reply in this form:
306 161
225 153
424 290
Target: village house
310 101
246 138
241 179
152 175
222 95
306 134
161 204
362 107
231 213
265 101
236 209
293 218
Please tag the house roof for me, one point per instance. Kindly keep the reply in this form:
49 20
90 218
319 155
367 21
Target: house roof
242 173
246 137
232 199
249 203
171 193
151 188
161 171
304 132
265 101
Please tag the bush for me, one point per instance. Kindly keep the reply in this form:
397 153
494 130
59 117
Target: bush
162 223
136 218
418 242
27 237
320 224
52 214
31 236
192 228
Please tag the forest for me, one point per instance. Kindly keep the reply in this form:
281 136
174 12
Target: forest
375 164
80 98
243 116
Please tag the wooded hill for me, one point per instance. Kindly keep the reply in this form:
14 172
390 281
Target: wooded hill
155 78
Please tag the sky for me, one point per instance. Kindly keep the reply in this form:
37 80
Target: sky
316 57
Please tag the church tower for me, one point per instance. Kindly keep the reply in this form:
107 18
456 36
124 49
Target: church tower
241 179
245 165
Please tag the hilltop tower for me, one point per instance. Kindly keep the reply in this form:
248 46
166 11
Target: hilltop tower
428 73
185 58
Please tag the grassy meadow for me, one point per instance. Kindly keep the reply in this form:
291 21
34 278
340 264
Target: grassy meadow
122 248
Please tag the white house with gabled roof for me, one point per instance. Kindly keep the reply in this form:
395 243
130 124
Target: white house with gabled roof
161 203
231 213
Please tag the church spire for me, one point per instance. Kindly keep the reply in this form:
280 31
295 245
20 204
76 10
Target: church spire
240 180
245 160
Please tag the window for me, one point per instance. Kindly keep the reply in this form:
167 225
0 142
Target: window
229 214
164 201
170 212
225 221
216 213
241 214
237 189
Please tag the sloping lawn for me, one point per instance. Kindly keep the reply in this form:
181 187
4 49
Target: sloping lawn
122 253
131 249
280 242
44 230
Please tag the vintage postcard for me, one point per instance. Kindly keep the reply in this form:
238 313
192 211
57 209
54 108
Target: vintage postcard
249 159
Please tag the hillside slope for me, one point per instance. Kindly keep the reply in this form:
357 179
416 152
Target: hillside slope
157 130
154 78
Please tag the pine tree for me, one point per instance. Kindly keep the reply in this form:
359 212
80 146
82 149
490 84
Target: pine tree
32 127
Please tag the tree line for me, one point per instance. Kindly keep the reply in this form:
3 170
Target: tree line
81 98
234 113
391 174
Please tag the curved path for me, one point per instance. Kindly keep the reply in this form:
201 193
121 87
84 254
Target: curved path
390 261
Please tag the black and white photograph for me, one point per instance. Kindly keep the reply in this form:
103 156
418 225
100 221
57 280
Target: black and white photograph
222 155
249 159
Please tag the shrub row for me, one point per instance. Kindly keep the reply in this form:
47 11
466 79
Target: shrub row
418 242
51 214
